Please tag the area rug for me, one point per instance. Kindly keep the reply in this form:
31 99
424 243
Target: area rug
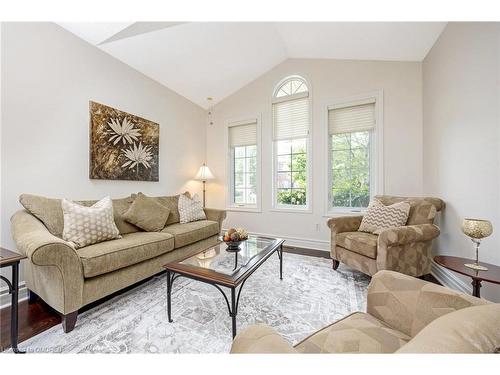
310 296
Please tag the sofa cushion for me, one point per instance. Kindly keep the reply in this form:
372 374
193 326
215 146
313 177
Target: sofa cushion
132 248
147 213
49 212
379 216
359 242
188 233
471 330
356 333
84 226
422 210
172 203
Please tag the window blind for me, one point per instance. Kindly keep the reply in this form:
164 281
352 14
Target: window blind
354 118
243 135
291 119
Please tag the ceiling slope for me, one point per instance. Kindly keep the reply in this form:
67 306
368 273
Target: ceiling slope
215 59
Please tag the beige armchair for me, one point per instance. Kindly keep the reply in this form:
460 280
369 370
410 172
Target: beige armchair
406 249
404 315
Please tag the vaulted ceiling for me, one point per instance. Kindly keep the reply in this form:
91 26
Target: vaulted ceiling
215 59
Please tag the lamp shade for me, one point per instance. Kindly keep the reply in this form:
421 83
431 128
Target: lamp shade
204 174
477 228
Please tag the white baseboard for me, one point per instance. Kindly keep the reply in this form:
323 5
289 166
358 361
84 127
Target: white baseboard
448 279
306 243
5 297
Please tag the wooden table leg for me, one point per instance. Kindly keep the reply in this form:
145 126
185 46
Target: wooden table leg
476 286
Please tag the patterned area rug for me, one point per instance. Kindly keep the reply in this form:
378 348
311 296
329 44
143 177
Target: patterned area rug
310 296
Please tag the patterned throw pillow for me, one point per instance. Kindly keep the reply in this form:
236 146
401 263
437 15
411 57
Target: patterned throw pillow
190 209
85 226
379 217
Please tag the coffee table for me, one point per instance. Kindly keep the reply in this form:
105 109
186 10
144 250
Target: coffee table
225 269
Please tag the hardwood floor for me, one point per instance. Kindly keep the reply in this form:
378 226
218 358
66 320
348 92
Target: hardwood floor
38 317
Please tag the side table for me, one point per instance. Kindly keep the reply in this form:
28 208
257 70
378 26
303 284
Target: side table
11 259
456 264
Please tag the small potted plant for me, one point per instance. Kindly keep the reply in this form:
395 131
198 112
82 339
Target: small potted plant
233 237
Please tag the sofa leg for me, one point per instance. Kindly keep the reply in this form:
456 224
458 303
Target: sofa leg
335 264
69 321
32 297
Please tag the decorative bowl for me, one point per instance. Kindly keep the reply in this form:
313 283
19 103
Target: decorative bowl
233 245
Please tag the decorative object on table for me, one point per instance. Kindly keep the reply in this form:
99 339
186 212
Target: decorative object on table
458 265
190 209
11 259
122 146
233 237
204 175
85 226
476 229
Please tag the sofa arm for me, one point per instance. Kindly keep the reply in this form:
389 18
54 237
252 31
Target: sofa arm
217 215
408 304
44 249
344 223
408 234
260 339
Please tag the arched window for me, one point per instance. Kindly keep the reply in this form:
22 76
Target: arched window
291 127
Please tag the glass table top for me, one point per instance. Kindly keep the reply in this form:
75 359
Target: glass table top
219 260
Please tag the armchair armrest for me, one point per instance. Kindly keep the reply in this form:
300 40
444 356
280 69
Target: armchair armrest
260 339
408 304
344 224
44 249
215 214
408 234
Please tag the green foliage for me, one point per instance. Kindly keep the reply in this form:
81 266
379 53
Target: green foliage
292 197
350 174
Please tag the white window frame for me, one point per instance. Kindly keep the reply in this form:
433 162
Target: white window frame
230 205
376 151
309 180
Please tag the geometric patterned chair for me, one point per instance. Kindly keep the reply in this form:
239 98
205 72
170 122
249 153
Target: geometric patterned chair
406 249
403 314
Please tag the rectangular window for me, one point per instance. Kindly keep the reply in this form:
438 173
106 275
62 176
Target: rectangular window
243 165
350 130
291 121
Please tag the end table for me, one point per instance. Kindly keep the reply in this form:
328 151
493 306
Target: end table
11 259
456 264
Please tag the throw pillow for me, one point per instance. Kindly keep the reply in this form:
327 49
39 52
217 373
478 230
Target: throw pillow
147 213
85 226
190 209
379 217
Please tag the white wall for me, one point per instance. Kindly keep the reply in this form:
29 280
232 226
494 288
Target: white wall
331 80
48 77
462 136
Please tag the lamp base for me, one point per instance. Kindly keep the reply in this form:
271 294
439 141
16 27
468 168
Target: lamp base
476 267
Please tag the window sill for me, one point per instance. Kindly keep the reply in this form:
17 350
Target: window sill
244 209
343 212
292 210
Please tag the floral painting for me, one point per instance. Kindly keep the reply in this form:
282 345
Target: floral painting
122 146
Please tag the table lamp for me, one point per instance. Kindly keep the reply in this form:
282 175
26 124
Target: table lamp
204 175
476 229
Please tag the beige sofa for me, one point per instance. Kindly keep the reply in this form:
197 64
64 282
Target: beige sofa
68 279
406 249
404 315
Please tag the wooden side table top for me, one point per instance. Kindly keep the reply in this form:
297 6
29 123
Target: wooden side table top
8 257
457 264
